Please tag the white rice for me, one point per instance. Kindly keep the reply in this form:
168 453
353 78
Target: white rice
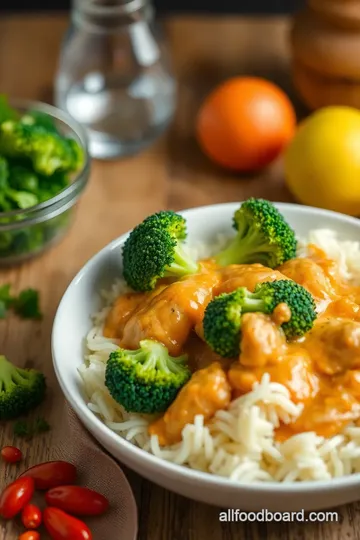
238 443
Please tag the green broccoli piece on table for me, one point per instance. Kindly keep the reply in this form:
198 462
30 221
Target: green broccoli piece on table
26 304
27 430
146 380
155 249
263 236
48 152
20 389
223 315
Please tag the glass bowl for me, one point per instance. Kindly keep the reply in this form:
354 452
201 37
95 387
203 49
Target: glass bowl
27 233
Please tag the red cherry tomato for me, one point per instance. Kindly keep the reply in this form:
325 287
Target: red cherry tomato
52 474
11 454
61 526
31 516
29 535
77 500
15 496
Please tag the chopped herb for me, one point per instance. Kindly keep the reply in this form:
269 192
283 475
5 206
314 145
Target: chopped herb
25 429
41 425
21 428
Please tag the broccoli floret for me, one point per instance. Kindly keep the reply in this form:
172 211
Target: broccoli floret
49 186
6 111
154 249
146 380
23 179
222 319
77 154
48 152
38 118
4 175
263 236
20 389
22 199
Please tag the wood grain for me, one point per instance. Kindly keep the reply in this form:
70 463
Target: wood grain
171 174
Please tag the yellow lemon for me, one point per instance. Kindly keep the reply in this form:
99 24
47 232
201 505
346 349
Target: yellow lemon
322 162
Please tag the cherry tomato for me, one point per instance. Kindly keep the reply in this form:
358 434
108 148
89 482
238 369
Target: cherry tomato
15 496
11 454
31 516
77 500
52 474
61 526
29 535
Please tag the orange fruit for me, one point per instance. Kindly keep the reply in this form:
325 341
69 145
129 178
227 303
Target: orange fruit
245 123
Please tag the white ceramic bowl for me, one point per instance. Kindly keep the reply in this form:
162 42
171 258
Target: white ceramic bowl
72 323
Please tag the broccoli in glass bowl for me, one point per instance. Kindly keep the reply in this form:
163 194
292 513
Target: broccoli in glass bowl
44 167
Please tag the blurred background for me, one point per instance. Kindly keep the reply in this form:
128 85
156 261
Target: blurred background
128 77
164 6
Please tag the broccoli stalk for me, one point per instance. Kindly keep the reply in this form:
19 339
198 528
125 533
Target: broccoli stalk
263 236
146 380
155 249
182 264
20 389
223 315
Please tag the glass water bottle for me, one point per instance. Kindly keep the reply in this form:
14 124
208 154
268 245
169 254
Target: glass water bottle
114 75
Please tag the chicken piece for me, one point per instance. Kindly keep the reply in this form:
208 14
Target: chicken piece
344 307
245 275
240 275
264 349
123 308
351 383
120 313
263 343
329 266
327 414
201 356
171 315
199 330
294 371
206 392
334 345
312 277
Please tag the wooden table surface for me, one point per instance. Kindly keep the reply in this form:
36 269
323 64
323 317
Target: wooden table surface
171 174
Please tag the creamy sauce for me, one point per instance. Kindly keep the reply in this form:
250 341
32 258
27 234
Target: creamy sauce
207 391
320 370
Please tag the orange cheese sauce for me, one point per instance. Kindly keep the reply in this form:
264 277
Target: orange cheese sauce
320 370
207 391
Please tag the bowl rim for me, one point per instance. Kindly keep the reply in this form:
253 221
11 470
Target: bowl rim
80 178
160 465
